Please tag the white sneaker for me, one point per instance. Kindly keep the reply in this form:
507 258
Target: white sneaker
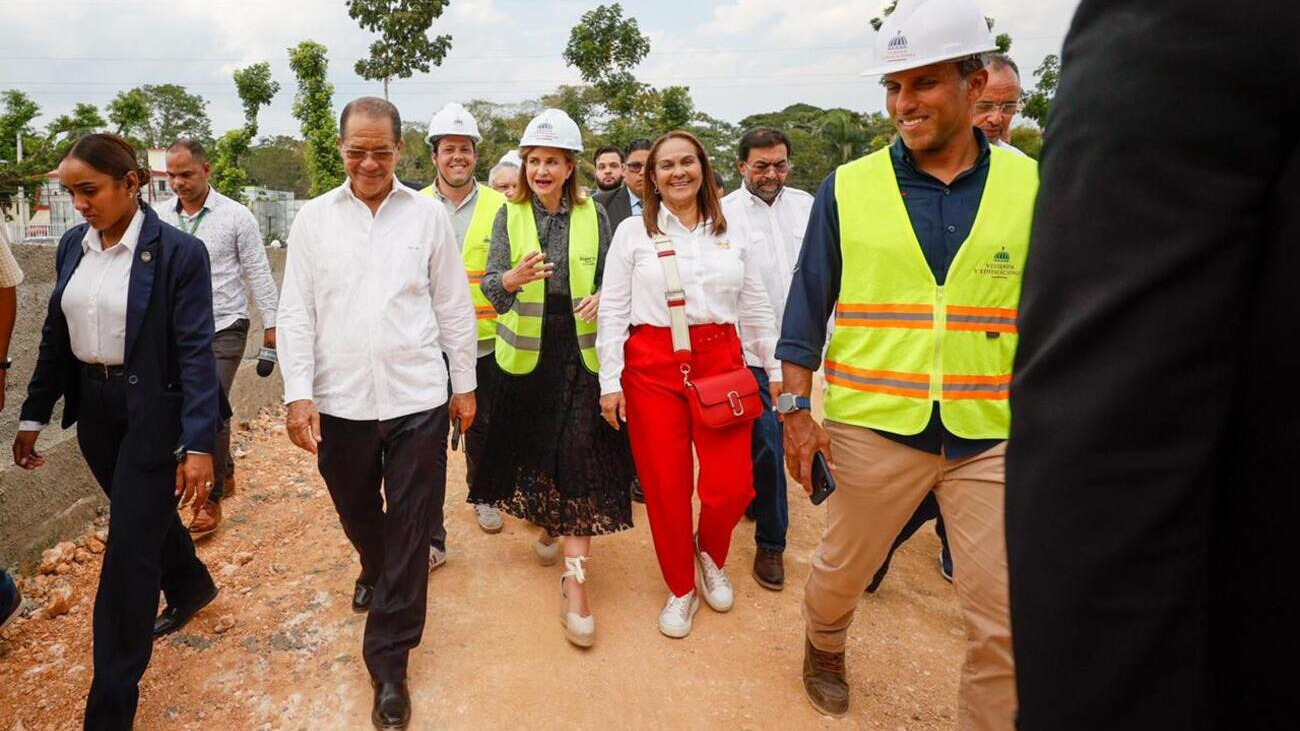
547 554
579 630
437 558
716 585
489 518
675 619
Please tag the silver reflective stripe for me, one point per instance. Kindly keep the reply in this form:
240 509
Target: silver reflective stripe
982 319
529 309
990 387
518 342
913 316
890 382
586 340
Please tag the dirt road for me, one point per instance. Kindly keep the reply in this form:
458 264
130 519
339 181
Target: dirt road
280 648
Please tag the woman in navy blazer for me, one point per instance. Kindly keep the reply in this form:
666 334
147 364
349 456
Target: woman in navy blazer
146 400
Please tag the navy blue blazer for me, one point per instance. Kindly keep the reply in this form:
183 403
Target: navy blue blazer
173 396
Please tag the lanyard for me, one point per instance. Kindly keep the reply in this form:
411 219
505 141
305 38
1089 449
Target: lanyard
192 229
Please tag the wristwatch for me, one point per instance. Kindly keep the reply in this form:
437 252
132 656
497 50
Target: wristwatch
788 403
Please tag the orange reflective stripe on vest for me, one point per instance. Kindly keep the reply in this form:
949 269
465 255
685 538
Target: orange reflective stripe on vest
910 316
957 388
895 383
985 319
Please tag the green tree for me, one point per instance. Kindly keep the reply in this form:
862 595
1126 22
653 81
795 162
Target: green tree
416 164
1028 140
1038 103
16 120
604 47
822 139
158 115
404 46
313 107
256 89
84 119
278 163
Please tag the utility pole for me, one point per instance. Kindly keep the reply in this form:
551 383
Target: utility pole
22 195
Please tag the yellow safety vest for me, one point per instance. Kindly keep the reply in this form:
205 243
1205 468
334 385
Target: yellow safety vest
901 341
519 331
474 253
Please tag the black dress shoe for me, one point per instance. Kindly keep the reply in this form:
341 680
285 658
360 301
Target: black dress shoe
361 596
637 494
392 708
174 617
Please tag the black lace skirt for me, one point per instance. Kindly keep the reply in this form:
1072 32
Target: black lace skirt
550 458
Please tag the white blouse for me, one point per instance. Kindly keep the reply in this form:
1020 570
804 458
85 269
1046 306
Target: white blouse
94 301
722 286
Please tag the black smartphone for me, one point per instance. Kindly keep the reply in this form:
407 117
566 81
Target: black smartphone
822 479
455 434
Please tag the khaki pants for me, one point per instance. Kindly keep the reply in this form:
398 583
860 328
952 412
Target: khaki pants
879 484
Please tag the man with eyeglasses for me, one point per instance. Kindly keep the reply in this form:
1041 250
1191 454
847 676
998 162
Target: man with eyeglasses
374 294
998 106
774 217
625 200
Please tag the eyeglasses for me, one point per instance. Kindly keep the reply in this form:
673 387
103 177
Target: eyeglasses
1007 108
383 157
763 168
635 167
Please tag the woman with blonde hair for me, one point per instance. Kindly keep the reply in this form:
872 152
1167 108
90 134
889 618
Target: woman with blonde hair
677 286
554 461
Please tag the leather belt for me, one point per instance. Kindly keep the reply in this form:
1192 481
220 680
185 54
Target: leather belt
101 372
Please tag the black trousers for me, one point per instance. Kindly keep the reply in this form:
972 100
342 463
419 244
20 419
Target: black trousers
148 548
1151 473
406 457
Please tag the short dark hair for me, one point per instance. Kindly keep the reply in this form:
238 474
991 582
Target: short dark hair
640 143
194 147
968 66
605 150
761 138
372 106
718 182
994 61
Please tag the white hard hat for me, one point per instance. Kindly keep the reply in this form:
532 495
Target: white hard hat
452 119
511 158
553 128
923 32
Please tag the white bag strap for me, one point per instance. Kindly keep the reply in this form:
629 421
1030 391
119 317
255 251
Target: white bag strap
674 294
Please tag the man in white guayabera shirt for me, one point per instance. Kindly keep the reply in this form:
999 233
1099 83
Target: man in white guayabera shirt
234 243
374 294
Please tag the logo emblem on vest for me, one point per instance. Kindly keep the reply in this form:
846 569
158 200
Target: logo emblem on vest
999 266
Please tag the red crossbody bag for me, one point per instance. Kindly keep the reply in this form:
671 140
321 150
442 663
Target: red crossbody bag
720 401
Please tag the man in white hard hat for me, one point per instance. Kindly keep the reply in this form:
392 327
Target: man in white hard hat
917 250
453 139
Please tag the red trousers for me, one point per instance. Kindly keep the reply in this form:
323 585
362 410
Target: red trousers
662 430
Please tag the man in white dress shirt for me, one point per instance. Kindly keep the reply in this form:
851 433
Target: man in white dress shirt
235 250
775 217
374 294
997 107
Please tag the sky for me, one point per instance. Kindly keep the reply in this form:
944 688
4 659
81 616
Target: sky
739 57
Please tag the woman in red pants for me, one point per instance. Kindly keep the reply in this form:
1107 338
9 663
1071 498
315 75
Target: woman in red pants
641 378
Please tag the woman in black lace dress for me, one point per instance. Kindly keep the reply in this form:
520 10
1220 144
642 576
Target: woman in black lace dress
550 457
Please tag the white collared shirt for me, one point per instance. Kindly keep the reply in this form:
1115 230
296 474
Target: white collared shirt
234 242
94 302
1008 147
776 234
722 284
370 304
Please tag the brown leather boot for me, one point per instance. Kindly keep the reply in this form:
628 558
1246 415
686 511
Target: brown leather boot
824 682
769 569
206 522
